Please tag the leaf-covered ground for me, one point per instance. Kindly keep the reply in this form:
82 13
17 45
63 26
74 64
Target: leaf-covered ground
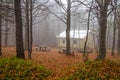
19 69
60 64
97 70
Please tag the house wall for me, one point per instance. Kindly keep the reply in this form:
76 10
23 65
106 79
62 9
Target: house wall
60 43
74 43
90 42
78 44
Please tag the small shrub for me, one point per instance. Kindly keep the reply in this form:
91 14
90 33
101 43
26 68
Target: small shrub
98 70
13 68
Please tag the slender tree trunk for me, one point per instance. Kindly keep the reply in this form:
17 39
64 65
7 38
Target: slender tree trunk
68 28
26 39
107 38
19 30
30 33
6 25
108 34
6 34
27 26
114 31
118 37
1 29
85 55
0 33
118 25
94 39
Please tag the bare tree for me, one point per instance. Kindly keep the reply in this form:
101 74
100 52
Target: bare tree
0 26
6 34
85 55
7 14
67 18
30 29
67 21
102 21
27 25
118 23
19 30
114 28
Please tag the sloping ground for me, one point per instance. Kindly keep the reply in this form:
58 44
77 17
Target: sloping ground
60 64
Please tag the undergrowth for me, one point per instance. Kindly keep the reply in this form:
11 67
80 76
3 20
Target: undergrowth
13 68
97 70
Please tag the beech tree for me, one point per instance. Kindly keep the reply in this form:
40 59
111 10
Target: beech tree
7 13
31 28
68 23
102 14
29 5
0 26
101 10
114 27
85 55
66 20
118 27
19 30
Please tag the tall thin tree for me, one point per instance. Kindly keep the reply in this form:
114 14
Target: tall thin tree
19 30
114 28
0 27
27 26
30 30
6 24
102 21
85 55
68 23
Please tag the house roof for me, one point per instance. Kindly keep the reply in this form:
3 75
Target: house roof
74 34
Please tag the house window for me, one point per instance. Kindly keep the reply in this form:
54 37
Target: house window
63 41
74 41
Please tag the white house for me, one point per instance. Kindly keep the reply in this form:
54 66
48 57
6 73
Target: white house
77 37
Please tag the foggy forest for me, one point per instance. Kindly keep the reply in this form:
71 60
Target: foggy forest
59 39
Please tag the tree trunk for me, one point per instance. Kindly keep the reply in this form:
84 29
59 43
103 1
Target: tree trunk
114 28
26 39
118 37
19 30
102 34
114 31
85 55
1 29
108 46
27 26
6 25
30 32
68 28
118 25
6 33
95 39
0 33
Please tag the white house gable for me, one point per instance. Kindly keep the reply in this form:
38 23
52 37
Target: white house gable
77 37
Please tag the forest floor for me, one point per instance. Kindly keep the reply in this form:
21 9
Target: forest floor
60 64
